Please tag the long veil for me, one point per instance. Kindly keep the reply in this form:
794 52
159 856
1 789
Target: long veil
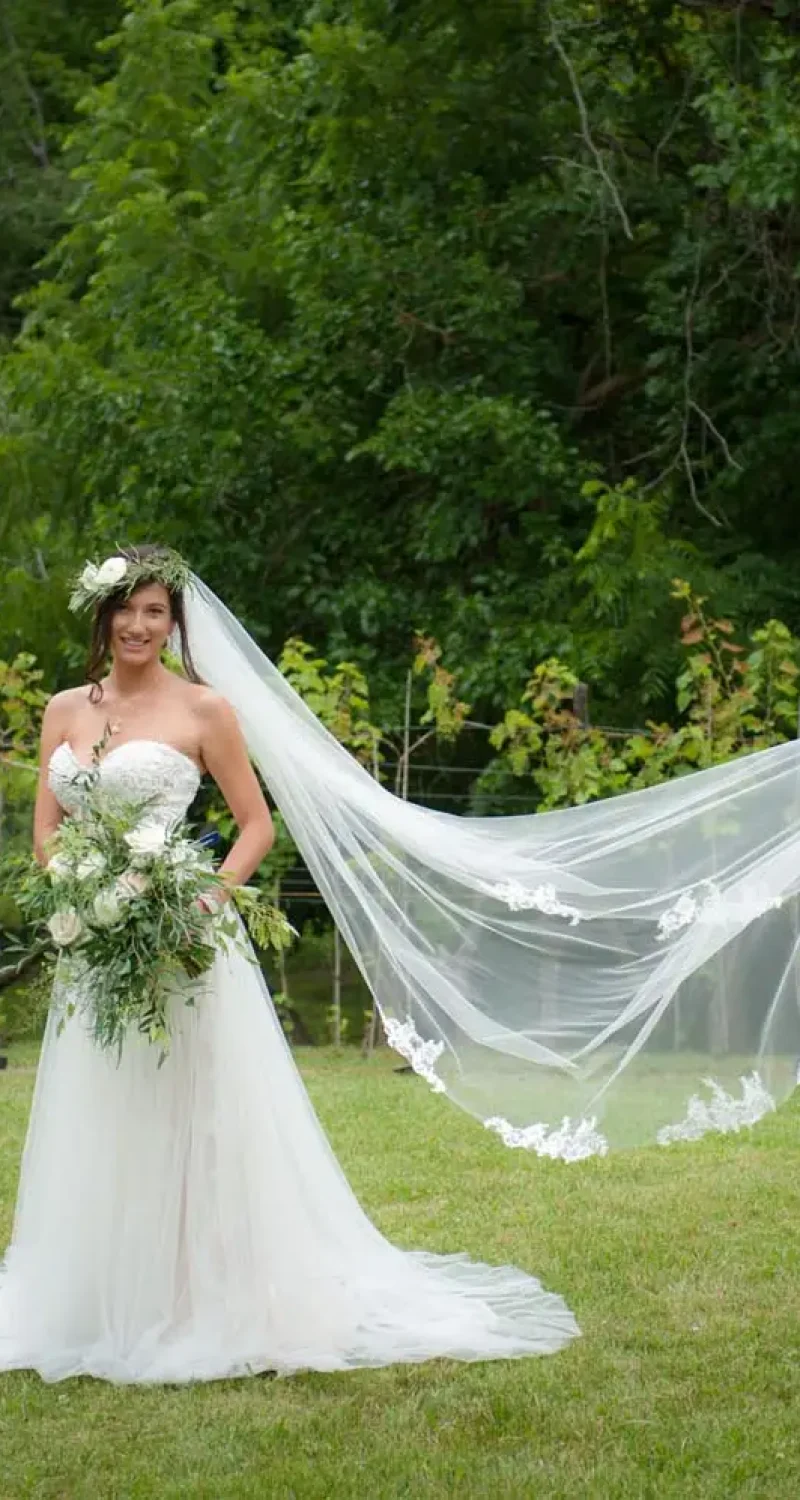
614 974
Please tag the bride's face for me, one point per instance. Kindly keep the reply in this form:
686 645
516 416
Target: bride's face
140 627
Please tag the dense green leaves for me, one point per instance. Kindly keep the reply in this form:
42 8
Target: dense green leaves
47 61
479 321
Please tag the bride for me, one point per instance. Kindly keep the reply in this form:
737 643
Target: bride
605 975
189 1221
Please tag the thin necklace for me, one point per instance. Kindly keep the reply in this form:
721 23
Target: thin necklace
115 725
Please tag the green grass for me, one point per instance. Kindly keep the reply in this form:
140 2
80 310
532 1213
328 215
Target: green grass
683 1267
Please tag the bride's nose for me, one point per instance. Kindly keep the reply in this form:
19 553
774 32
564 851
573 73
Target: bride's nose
135 624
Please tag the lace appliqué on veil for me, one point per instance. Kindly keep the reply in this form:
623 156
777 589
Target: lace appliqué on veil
576 1140
567 1142
543 898
404 1038
688 908
708 904
721 1112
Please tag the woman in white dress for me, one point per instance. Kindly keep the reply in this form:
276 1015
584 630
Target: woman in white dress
189 1221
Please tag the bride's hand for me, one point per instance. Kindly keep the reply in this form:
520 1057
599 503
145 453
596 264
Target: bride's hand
212 901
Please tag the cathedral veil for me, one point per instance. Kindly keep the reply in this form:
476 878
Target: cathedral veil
615 974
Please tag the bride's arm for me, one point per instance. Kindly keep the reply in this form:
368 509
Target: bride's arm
225 755
48 812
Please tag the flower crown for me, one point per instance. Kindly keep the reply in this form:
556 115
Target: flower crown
121 575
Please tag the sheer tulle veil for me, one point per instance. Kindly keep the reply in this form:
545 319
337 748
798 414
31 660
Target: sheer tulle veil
614 974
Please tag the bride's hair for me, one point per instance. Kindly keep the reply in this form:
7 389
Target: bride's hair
100 643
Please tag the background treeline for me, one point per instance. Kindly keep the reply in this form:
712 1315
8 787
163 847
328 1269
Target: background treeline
398 315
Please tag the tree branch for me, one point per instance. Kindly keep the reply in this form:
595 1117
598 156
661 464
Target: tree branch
38 148
586 130
704 417
684 457
674 123
11 972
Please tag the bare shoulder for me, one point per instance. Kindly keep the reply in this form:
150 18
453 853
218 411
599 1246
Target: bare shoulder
211 707
70 697
62 706
222 745
214 715
58 719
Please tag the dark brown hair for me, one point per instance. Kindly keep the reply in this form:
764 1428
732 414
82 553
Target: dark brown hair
100 643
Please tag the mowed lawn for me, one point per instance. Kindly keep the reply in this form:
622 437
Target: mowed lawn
682 1265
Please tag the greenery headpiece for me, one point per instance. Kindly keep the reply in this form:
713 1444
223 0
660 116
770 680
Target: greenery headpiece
121 575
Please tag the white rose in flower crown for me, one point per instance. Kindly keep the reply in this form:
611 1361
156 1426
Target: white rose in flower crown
88 578
107 907
147 841
65 926
131 883
93 864
111 572
58 867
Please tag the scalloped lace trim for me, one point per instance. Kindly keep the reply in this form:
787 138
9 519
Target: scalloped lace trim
405 1039
568 1141
723 1111
574 1141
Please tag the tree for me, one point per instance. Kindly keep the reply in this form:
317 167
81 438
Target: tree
48 59
479 321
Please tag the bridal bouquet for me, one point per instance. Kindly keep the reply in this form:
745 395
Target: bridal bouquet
134 908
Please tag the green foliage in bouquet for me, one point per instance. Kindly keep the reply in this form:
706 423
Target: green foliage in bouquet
267 925
136 913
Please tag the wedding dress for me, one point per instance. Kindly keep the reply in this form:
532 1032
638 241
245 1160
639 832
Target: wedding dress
190 1222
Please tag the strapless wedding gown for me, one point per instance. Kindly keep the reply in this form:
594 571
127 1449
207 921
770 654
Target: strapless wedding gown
191 1222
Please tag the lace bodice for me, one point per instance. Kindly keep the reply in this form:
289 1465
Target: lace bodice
137 769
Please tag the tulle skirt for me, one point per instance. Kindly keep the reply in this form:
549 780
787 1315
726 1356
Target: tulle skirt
190 1222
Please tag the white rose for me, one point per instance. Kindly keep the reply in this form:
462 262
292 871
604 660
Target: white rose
59 868
93 864
65 926
111 572
107 908
147 841
88 578
130 884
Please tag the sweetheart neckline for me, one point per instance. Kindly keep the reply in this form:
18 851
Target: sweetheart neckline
138 740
